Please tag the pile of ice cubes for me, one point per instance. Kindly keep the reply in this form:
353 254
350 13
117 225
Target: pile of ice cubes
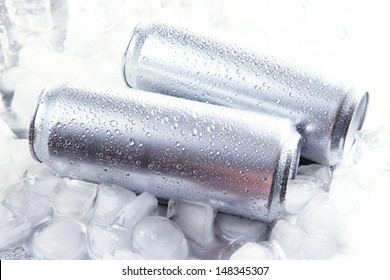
43 216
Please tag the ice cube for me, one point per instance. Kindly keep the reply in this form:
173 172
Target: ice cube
5 135
75 199
27 92
317 246
141 206
20 158
60 239
13 231
110 200
24 203
321 175
122 254
195 220
318 216
347 196
42 181
372 149
17 253
346 243
254 251
5 213
12 76
105 240
299 191
157 237
232 227
287 239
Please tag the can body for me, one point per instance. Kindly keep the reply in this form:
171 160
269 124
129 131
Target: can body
174 61
239 162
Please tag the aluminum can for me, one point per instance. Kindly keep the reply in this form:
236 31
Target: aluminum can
168 146
175 61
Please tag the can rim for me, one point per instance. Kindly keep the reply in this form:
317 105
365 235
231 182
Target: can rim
32 127
286 170
349 120
131 53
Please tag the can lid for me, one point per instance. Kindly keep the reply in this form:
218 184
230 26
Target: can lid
357 120
32 130
130 57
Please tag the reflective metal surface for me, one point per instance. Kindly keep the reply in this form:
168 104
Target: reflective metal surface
174 61
239 162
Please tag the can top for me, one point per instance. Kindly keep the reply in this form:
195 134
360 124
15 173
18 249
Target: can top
350 119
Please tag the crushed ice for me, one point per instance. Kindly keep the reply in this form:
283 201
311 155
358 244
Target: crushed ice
43 216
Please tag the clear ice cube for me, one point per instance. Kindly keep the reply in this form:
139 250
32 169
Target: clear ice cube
317 246
195 219
287 239
141 206
321 175
231 227
299 191
60 239
14 231
24 203
110 200
156 237
75 199
254 251
318 216
41 181
106 240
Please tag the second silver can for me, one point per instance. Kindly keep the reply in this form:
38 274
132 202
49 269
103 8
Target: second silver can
175 61
238 162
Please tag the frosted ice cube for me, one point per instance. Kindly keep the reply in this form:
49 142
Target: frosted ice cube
318 216
14 231
60 239
232 227
157 237
20 158
142 206
75 199
12 76
42 181
372 149
27 92
105 240
320 174
346 243
5 135
316 246
17 253
287 239
194 219
254 251
299 192
347 196
110 200
24 203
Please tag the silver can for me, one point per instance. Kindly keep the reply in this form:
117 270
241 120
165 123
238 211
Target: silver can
170 147
174 61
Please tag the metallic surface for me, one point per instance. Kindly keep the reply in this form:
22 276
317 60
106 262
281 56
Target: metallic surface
239 162
175 61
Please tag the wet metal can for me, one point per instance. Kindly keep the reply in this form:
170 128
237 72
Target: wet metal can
174 61
239 162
